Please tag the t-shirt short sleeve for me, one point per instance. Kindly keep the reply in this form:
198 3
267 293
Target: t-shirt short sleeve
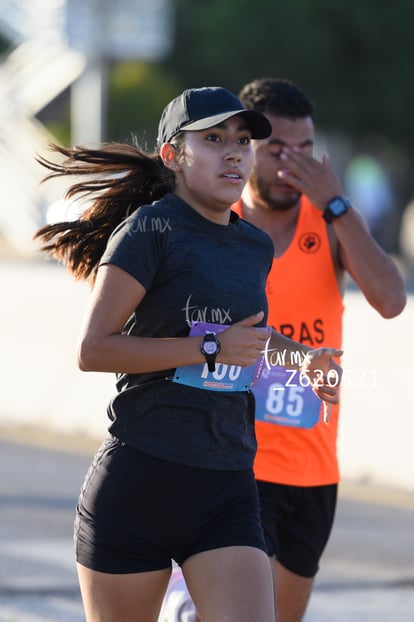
135 247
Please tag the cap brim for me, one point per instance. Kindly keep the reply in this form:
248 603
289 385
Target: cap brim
259 125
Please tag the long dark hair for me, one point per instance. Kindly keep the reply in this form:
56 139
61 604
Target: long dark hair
120 178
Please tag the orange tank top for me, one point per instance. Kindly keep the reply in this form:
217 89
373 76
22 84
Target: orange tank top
305 304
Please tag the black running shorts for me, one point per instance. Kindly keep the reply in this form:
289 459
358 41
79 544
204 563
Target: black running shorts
136 512
297 523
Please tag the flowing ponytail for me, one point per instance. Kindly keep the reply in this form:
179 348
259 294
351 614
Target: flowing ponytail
120 178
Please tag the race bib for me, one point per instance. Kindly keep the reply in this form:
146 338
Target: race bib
225 377
285 397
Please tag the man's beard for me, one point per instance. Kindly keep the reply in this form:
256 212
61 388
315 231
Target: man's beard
282 203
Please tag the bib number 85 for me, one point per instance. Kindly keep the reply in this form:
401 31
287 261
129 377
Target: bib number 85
288 400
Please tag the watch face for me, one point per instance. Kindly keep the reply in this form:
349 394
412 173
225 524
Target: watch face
210 347
337 207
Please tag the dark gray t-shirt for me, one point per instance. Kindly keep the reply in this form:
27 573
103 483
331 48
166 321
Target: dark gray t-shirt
192 270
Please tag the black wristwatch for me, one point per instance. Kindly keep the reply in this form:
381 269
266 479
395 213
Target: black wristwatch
337 207
210 348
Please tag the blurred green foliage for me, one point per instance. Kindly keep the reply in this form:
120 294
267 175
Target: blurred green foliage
137 93
353 59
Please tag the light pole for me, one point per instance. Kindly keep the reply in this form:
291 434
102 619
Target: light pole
105 31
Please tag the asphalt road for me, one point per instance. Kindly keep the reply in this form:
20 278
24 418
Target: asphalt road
367 572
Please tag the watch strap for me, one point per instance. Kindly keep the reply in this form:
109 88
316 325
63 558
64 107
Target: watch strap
210 337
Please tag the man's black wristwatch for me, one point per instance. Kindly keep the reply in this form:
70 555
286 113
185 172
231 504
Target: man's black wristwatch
210 347
337 207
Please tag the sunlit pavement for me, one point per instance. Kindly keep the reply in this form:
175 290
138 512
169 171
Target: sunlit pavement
367 572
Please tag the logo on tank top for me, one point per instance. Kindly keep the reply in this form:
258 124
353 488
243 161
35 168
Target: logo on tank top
309 243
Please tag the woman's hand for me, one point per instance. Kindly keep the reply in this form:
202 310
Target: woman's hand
243 342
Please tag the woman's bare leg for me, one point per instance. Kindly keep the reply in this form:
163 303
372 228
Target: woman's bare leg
133 597
231 584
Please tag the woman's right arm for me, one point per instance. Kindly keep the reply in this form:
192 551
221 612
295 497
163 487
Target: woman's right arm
103 347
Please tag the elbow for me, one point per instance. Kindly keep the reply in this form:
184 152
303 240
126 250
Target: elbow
87 356
82 366
393 306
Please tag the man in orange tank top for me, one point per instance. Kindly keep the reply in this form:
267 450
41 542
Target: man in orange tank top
318 237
